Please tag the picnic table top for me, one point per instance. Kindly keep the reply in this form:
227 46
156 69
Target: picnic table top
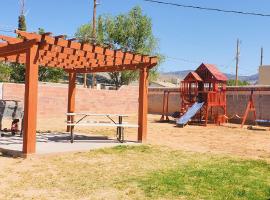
94 114
104 124
10 100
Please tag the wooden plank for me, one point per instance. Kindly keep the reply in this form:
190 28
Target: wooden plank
95 114
10 40
71 97
76 53
30 102
29 36
104 125
107 68
13 49
143 105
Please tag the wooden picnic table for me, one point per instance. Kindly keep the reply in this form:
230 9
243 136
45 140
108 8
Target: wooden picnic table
120 124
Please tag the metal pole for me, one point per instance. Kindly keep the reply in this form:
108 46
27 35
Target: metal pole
94 38
93 41
261 63
237 63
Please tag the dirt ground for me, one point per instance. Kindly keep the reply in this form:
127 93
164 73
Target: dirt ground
229 139
52 177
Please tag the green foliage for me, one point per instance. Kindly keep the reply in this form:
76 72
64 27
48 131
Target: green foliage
5 72
231 82
49 74
22 23
217 179
84 33
129 32
41 30
17 73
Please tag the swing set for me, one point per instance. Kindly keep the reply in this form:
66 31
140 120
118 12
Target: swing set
250 107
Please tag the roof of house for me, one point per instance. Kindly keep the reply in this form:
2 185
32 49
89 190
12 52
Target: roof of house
219 76
162 84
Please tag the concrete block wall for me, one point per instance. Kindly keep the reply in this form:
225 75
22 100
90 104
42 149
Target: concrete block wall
52 99
236 102
155 96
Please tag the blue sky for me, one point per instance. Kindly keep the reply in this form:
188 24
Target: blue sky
186 36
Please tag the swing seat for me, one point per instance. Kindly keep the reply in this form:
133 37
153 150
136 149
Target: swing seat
262 121
233 116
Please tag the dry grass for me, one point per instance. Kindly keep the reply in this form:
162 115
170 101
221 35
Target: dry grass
203 154
139 172
229 139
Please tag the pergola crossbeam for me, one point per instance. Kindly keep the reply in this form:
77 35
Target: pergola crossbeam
16 48
35 50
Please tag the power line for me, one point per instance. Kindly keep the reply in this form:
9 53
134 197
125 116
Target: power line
180 60
209 9
6 31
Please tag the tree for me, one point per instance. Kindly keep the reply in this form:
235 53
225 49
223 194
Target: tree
17 71
17 74
22 23
231 82
50 74
5 72
128 32
21 20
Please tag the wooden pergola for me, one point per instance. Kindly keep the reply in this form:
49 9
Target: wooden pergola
34 50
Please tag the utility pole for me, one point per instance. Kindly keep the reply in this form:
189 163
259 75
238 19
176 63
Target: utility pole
237 62
93 41
261 63
22 7
94 38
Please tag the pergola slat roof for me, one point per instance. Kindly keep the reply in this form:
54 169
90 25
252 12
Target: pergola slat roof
69 55
34 49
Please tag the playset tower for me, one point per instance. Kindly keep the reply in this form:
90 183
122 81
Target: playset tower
206 85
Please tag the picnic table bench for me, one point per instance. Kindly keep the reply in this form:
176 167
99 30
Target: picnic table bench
120 125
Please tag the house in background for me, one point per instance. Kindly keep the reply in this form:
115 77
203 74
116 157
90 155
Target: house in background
264 75
162 84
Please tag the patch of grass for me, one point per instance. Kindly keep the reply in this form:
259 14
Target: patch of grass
214 179
134 172
137 148
126 149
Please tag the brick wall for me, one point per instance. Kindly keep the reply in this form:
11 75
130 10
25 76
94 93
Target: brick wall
52 99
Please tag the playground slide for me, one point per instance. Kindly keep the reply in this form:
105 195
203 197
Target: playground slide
189 114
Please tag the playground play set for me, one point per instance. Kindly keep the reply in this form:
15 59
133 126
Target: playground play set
203 99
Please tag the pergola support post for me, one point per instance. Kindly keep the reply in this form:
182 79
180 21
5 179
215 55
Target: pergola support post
143 105
30 102
71 97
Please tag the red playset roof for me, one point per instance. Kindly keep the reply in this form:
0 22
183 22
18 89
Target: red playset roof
214 71
193 76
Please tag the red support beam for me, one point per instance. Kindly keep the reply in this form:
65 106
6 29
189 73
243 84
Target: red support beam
250 108
30 102
143 105
71 97
18 48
